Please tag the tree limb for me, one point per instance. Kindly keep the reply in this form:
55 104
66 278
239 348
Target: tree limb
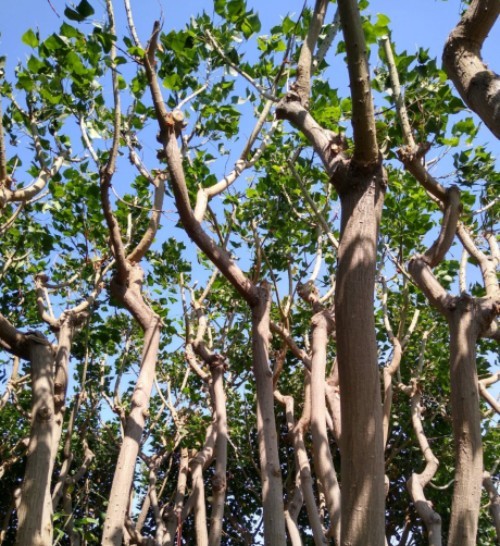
478 86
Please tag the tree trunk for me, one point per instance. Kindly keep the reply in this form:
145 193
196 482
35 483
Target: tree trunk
219 479
35 509
272 487
322 325
362 472
124 473
466 423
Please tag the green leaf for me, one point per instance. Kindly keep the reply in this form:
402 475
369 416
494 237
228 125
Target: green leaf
82 11
172 81
250 25
30 38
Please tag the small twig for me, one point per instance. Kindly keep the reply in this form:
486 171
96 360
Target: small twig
235 67
190 97
131 24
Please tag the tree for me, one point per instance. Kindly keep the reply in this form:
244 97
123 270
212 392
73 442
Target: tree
201 354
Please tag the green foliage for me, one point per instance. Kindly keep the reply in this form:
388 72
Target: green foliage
265 221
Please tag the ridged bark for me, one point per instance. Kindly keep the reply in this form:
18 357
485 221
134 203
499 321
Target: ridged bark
466 424
362 472
35 509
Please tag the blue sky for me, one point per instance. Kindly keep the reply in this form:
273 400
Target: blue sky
415 22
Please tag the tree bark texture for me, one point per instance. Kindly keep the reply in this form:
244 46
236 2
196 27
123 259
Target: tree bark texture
478 86
219 478
124 473
35 509
272 487
362 472
323 462
466 423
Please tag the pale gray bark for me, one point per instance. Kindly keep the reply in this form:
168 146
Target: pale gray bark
322 326
272 487
131 297
219 484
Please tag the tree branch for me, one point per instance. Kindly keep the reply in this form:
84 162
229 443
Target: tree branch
305 63
366 150
478 86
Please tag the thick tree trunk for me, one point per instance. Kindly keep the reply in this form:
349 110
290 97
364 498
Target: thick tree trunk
362 472
272 487
35 509
466 423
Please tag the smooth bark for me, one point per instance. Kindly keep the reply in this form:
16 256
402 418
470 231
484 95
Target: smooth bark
322 326
124 473
219 484
272 487
478 86
418 481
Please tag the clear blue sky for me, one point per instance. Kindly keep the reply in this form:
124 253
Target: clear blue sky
415 22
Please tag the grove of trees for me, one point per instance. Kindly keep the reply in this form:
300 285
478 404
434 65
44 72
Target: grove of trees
249 279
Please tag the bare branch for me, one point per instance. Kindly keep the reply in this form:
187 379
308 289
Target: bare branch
305 63
317 213
483 383
436 253
168 123
398 97
131 24
486 265
154 223
417 482
366 150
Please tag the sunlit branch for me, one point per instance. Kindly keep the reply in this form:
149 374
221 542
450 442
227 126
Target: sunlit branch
206 194
483 384
366 150
131 23
462 272
301 354
327 42
154 223
305 62
411 155
486 265
87 142
488 206
31 191
191 96
478 86
8 224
